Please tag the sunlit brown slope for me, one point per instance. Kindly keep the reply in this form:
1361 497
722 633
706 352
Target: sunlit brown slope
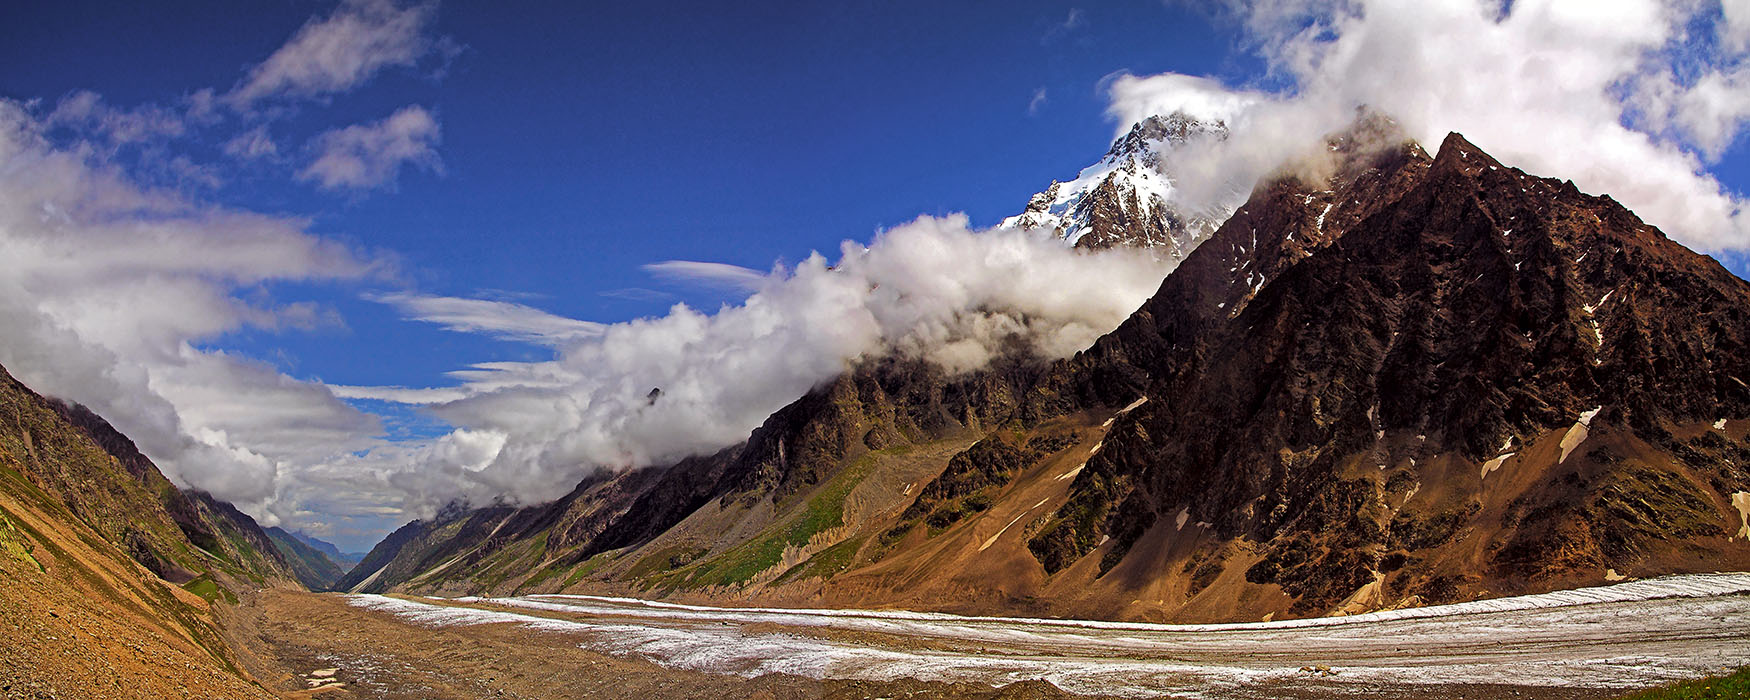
81 613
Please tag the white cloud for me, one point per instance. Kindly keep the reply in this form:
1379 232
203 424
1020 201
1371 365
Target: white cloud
1549 85
363 156
932 288
1735 29
1036 102
340 52
1136 98
86 112
636 294
110 285
253 144
1073 20
500 319
399 394
709 273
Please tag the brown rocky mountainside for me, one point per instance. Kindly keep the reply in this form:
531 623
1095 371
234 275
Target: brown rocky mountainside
1403 380
889 405
1483 383
109 575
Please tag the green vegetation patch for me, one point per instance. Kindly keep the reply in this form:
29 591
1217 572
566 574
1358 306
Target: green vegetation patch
1732 687
15 545
504 562
828 563
666 559
589 566
824 511
205 587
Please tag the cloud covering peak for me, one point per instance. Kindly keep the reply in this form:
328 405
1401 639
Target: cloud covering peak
933 288
1626 98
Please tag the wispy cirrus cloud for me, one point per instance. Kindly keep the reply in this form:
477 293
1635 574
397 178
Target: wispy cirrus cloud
339 52
400 394
254 144
499 319
709 273
1038 101
636 294
87 111
1073 20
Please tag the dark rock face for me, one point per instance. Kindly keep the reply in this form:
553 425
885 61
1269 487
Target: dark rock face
1415 309
972 477
382 555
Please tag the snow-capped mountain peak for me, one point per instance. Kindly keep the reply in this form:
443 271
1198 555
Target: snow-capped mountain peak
1128 198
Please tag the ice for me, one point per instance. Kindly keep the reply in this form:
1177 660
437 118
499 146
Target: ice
993 538
1495 463
1741 501
1577 434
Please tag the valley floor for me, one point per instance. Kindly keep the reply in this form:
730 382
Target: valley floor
304 645
1593 643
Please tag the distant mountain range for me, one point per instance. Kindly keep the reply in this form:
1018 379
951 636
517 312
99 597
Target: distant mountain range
344 560
1417 379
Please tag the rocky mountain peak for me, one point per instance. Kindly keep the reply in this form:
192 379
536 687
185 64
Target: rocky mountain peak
1129 198
1453 348
1149 136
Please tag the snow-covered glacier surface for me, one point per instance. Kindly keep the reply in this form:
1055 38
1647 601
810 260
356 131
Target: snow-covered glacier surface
1621 636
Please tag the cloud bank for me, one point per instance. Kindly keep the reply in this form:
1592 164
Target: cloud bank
110 285
117 271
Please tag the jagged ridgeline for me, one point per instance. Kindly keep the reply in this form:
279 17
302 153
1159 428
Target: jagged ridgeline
93 535
1408 380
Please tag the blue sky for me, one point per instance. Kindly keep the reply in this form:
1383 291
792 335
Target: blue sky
579 143
427 180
